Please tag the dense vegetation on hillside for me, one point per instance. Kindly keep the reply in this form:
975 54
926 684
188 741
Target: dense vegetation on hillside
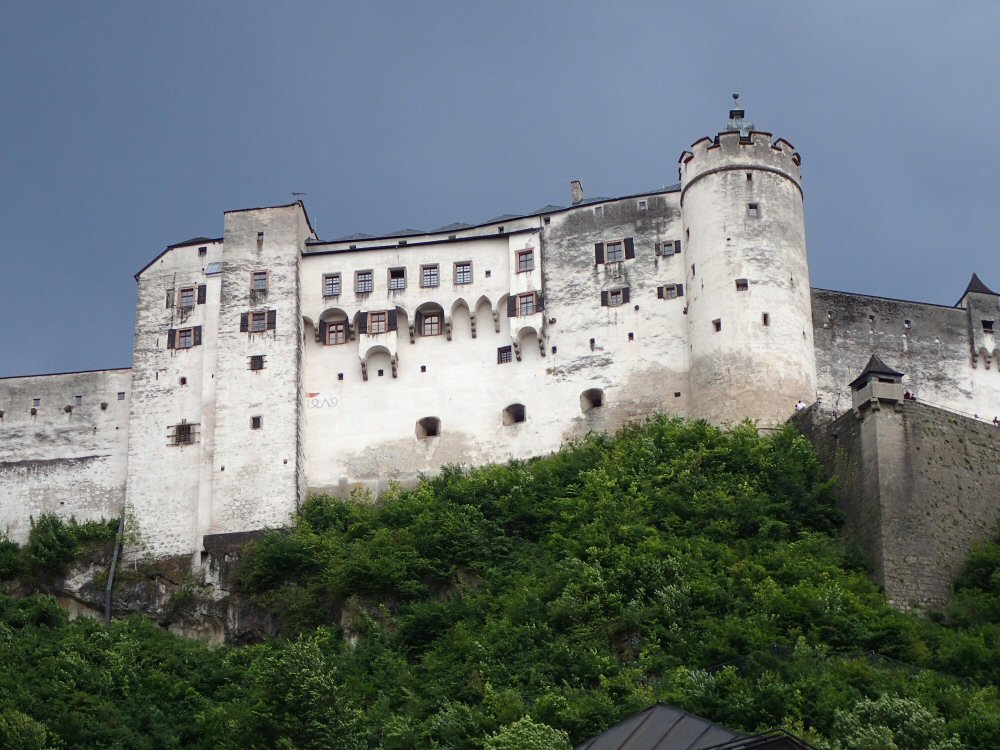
533 605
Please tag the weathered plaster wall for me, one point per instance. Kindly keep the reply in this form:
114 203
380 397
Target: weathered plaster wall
929 344
918 486
67 458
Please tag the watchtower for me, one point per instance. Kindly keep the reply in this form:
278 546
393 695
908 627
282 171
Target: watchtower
749 311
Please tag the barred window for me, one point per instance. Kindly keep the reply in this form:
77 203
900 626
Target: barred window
505 354
256 361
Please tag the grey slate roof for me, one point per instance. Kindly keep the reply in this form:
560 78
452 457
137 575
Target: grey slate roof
876 366
978 287
662 727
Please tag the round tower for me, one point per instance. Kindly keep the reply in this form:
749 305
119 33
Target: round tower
749 311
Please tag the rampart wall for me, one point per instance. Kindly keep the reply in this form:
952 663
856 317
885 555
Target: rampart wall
64 443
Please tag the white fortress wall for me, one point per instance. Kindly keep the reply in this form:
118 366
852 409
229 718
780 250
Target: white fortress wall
172 413
64 446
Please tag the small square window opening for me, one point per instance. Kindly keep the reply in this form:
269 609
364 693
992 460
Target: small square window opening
121 395
987 326
742 285
504 354
641 205
256 361
717 324
256 423
202 251
753 210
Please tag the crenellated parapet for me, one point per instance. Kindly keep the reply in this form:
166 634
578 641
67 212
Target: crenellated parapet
732 151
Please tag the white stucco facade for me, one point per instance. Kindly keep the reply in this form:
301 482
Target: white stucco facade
270 364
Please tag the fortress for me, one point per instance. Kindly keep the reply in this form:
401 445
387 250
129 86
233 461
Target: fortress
270 364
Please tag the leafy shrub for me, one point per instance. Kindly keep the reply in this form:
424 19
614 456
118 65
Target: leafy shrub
12 561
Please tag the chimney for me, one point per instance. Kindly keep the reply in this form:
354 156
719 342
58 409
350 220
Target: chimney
576 187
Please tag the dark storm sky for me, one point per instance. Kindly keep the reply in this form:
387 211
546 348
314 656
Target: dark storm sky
129 126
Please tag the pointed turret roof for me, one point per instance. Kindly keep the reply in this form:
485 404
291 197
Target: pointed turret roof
978 287
876 366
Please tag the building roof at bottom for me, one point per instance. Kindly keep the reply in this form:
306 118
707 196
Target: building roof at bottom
662 727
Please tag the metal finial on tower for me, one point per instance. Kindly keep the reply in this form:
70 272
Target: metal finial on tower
736 119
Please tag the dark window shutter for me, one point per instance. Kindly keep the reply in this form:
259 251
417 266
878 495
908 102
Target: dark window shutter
323 325
171 338
197 335
598 252
511 307
659 292
244 322
170 298
680 290
629 248
604 299
363 322
272 319
202 292
677 246
625 295
539 301
392 320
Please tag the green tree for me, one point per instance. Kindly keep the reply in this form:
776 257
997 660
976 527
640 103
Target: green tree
526 734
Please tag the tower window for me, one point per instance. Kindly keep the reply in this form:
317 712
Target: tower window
906 324
121 395
185 297
258 281
717 324
749 176
78 400
987 326
765 319
614 252
182 434
428 427
641 205
742 285
525 261
256 361
753 210
256 423
592 398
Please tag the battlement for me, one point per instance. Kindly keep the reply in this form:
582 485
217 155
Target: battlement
731 150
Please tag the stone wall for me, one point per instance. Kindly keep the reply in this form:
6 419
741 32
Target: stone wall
64 444
918 485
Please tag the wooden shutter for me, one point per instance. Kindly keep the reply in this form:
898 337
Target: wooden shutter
539 301
659 292
363 322
272 319
598 252
202 293
323 326
170 298
680 290
511 306
677 246
171 338
625 295
604 299
391 320
244 322
629 248
197 336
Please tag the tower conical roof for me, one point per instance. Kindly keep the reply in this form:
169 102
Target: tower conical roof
977 286
875 366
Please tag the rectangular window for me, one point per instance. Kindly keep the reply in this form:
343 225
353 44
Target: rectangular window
363 282
641 205
615 298
614 252
432 324
598 211
77 400
258 281
185 298
987 326
202 251
525 261
670 291
36 402
256 361
717 324
526 304
429 276
753 210
183 434
742 285
256 423
765 319
377 322
336 332
463 272
121 395
258 322
185 338
331 285
397 279
504 354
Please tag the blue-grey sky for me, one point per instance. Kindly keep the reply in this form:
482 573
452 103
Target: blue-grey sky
127 126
